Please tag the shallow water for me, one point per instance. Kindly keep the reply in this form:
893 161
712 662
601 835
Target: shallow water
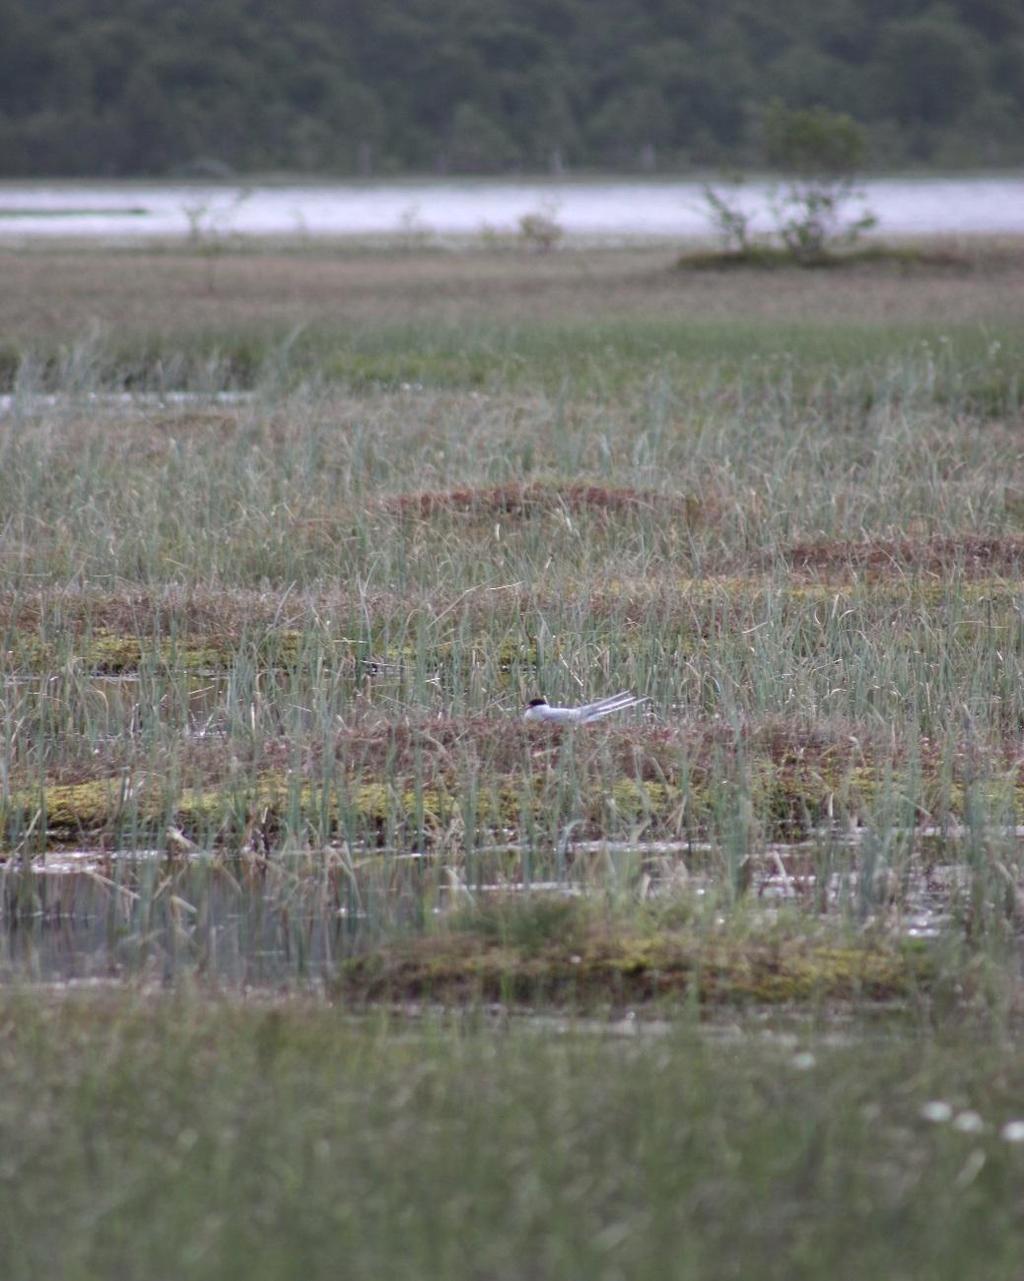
77 915
85 919
419 210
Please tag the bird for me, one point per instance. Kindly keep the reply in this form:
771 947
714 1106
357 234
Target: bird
539 709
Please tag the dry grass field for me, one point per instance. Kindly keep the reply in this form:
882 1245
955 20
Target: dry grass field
52 294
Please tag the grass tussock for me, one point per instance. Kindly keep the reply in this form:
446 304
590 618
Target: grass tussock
545 951
903 259
968 555
532 499
445 789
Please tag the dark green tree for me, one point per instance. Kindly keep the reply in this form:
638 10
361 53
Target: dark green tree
820 153
369 86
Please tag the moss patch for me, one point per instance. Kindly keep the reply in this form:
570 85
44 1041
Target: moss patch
774 796
106 652
598 967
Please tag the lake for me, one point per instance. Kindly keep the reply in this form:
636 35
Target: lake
602 209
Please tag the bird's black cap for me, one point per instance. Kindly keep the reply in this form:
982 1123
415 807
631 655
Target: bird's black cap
538 702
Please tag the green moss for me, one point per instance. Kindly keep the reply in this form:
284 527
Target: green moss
631 798
495 961
111 653
107 652
82 807
793 795
798 974
777 799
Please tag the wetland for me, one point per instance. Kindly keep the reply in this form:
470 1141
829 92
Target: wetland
311 949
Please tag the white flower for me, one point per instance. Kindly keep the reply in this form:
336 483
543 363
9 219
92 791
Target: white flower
937 1111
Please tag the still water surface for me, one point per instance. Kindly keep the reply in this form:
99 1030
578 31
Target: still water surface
592 209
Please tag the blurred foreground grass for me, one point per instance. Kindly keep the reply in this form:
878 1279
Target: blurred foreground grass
184 1139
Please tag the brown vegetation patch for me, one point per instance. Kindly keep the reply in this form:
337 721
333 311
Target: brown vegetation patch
423 787
645 751
523 500
211 613
496 746
55 292
972 554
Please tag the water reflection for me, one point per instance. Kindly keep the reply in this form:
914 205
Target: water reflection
400 210
232 925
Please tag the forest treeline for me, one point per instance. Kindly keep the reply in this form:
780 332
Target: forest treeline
121 87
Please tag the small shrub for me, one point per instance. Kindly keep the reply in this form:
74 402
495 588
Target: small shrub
818 208
732 224
820 152
541 231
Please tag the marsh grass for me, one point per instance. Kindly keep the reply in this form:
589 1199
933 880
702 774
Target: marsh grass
297 628
599 320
